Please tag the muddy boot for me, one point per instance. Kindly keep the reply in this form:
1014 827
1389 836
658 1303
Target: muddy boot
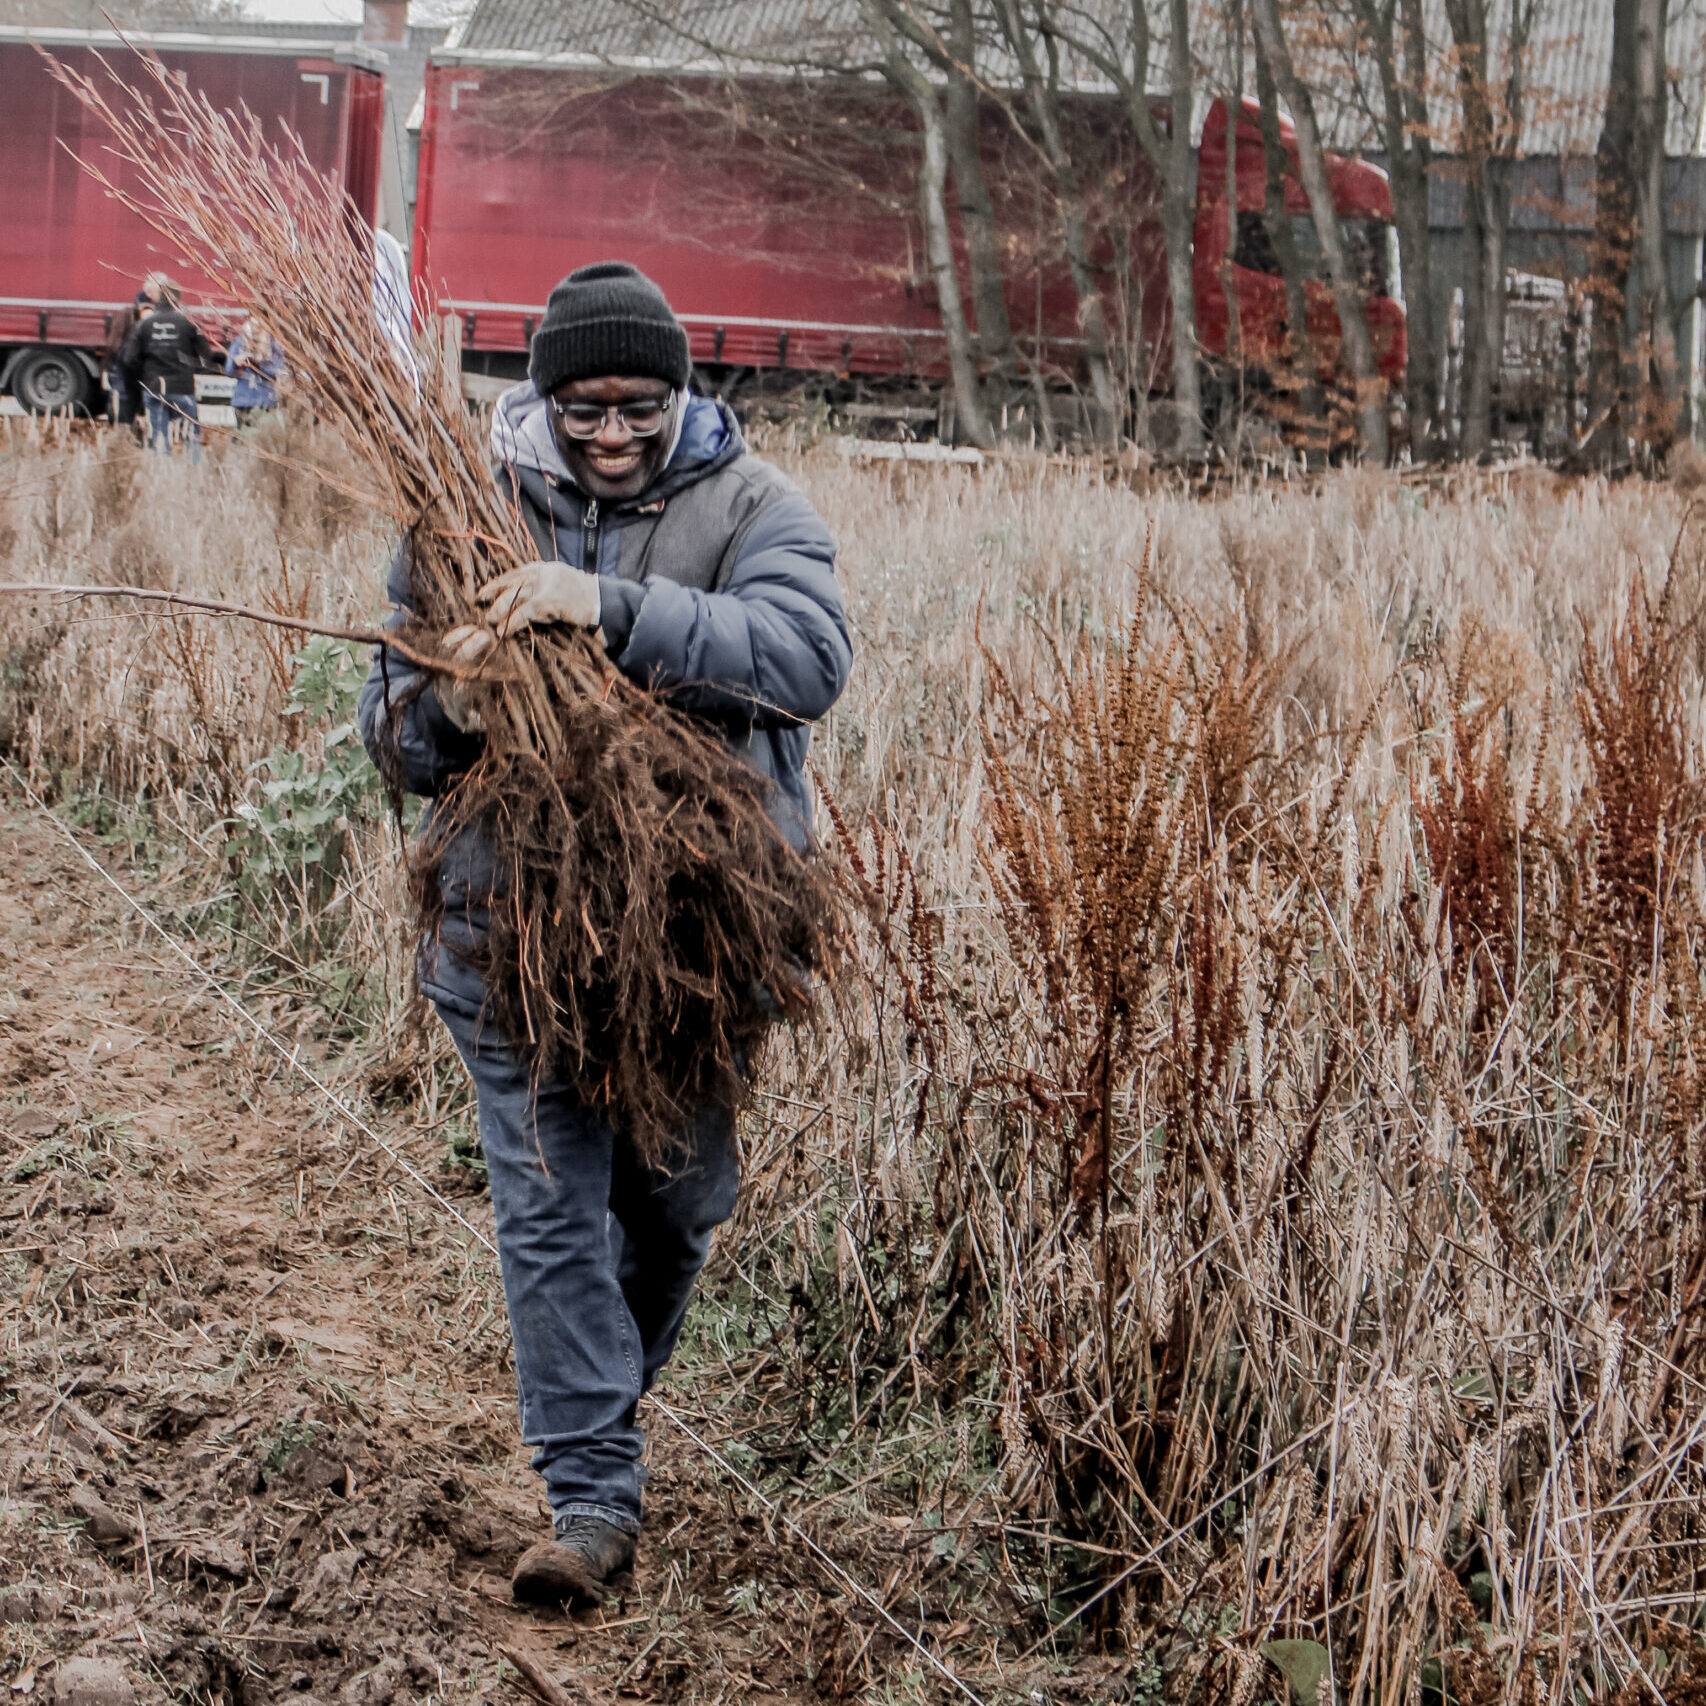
578 1565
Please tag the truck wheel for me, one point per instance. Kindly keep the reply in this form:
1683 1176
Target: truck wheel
49 381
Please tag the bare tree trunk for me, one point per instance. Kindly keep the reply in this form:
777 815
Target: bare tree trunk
1229 389
1229 188
1179 222
926 101
1468 20
1105 397
1485 225
939 247
1489 141
896 28
1421 335
1042 100
1178 233
1312 167
1613 246
1168 150
1409 152
961 116
1661 379
1276 216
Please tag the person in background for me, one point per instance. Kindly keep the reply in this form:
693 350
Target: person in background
124 384
168 349
257 361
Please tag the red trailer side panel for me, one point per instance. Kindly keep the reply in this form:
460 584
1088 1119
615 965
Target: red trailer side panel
789 239
526 175
789 236
70 255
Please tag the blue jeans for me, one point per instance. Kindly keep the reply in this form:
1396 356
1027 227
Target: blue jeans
162 411
599 1256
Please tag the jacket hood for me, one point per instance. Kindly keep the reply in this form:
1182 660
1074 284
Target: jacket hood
707 437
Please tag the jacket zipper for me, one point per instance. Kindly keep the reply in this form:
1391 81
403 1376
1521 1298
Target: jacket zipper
589 526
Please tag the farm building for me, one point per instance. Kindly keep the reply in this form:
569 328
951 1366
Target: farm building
1552 208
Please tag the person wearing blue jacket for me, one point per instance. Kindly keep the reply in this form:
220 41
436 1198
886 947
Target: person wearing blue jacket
708 577
256 361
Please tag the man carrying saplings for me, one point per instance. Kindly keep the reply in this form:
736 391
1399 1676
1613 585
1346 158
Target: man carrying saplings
707 576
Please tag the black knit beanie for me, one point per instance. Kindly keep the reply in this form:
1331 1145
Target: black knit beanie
608 320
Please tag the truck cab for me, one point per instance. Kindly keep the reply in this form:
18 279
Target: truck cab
1362 200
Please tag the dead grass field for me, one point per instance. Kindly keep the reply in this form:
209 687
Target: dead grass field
1247 1219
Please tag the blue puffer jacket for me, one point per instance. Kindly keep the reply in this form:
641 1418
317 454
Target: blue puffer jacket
718 589
257 379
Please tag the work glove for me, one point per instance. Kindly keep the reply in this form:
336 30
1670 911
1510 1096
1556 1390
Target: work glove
464 646
539 594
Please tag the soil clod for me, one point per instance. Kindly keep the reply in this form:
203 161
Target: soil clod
106 1527
92 1682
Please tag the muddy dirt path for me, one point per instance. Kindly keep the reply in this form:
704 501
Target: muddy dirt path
257 1423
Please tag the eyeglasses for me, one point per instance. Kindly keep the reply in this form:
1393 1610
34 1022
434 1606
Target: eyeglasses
643 417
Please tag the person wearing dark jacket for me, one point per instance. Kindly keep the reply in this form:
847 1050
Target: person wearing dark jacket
707 576
125 384
167 350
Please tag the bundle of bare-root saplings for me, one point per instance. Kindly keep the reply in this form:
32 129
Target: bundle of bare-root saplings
643 895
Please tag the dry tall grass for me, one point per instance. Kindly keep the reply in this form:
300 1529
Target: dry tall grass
1271 1150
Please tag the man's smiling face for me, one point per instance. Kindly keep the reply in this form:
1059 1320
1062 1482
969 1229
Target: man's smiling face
613 464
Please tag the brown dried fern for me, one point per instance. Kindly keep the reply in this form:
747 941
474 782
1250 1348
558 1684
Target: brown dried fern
1081 848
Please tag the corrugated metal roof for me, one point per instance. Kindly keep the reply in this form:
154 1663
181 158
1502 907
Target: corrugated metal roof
1569 59
792 35
831 31
1568 67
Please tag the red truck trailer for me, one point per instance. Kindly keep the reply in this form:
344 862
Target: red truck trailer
71 258
789 239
